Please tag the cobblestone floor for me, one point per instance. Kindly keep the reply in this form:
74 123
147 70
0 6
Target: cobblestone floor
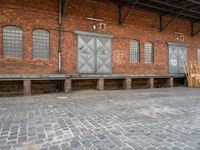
111 120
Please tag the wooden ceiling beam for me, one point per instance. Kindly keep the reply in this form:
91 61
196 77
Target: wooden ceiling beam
160 7
175 6
172 12
194 2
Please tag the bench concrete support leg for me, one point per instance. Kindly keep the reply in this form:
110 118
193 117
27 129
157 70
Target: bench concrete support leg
68 85
151 83
127 84
100 84
27 87
171 82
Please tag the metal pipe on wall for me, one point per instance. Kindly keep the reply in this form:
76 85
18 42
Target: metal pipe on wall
59 40
59 35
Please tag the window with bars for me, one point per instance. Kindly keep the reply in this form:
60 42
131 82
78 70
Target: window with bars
198 55
148 52
12 41
134 51
41 44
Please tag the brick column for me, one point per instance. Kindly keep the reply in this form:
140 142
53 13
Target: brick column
68 85
27 87
171 82
127 84
100 84
151 83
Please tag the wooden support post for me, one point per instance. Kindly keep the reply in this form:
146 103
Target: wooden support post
27 87
151 83
100 84
68 85
127 84
171 82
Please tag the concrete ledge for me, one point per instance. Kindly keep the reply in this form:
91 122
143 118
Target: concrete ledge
118 76
83 76
33 76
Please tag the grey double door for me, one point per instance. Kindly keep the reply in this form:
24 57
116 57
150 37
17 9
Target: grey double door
177 58
93 54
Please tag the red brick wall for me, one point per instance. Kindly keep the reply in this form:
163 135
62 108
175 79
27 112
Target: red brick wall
140 25
29 15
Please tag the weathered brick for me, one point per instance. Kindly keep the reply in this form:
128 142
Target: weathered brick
140 25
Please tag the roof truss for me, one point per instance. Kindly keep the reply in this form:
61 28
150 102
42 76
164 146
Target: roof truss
122 18
184 9
162 26
193 32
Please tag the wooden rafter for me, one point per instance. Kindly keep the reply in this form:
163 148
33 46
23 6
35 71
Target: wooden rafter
194 1
190 9
174 6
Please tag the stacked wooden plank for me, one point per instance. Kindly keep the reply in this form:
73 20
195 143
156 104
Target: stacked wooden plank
192 70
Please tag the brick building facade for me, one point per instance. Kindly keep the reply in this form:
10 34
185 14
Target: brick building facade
140 25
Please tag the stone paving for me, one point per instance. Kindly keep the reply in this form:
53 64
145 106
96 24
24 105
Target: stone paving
165 119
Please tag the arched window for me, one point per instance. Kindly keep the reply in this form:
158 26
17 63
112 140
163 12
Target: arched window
134 51
12 41
41 48
198 55
148 52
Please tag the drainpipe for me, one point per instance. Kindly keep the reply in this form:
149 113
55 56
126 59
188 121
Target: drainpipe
59 50
59 35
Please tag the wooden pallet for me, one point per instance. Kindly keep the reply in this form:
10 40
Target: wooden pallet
192 71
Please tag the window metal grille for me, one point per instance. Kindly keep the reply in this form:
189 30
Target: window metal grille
134 51
12 42
41 48
198 55
148 52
